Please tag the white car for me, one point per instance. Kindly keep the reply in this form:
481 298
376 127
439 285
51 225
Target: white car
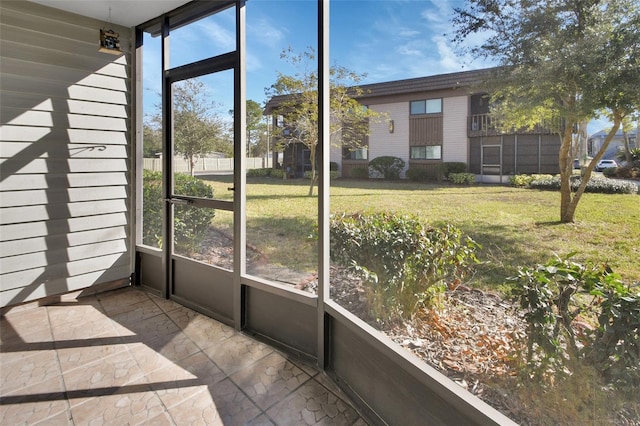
606 164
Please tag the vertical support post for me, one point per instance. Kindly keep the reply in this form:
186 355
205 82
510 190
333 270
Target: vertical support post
167 165
324 149
239 165
138 158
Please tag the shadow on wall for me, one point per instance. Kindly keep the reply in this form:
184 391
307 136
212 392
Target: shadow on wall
65 148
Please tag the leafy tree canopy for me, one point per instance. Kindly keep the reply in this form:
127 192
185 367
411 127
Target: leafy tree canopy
564 62
298 103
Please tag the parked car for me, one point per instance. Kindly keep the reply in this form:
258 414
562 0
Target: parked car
606 164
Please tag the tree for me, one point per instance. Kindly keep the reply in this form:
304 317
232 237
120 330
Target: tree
152 140
563 62
256 130
197 127
298 103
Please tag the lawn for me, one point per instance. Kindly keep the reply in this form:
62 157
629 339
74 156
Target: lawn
514 226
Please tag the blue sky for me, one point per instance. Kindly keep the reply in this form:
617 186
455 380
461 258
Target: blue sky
383 39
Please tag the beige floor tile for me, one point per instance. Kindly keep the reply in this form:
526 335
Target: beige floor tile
103 376
164 304
313 404
19 370
270 379
237 352
219 404
30 411
73 313
204 331
261 420
22 323
121 301
184 379
126 406
78 353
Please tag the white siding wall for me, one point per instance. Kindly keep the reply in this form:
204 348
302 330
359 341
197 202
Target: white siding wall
65 144
395 144
455 143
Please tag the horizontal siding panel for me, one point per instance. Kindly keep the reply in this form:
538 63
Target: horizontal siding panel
55 23
10 133
62 227
71 180
35 55
62 74
54 211
47 274
33 245
11 149
62 285
57 90
71 165
65 149
40 196
51 257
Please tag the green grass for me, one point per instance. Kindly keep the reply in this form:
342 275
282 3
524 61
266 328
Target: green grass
515 226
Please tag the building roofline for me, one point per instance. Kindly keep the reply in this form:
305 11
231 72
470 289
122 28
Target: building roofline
456 80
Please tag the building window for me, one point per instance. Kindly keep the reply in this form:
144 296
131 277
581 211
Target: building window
426 152
355 154
427 106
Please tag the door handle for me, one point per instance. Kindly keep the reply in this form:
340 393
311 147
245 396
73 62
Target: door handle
179 201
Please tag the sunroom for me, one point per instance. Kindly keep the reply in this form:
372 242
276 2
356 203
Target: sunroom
73 218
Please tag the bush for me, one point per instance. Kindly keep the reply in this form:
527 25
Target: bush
360 173
524 181
449 167
628 172
259 172
555 296
387 166
595 185
418 174
405 262
277 173
610 172
333 166
462 178
332 175
191 223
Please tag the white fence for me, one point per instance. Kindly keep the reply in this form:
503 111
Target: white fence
207 164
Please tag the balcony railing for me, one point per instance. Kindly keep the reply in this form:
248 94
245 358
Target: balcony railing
487 125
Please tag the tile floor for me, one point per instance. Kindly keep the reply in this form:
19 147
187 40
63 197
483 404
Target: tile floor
127 357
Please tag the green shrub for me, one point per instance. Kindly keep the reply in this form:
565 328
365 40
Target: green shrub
332 175
610 172
259 172
595 185
418 174
277 173
360 173
462 178
333 166
555 296
387 167
449 167
191 223
405 261
524 181
628 172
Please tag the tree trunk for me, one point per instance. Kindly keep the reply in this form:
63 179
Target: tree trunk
567 209
569 203
192 165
